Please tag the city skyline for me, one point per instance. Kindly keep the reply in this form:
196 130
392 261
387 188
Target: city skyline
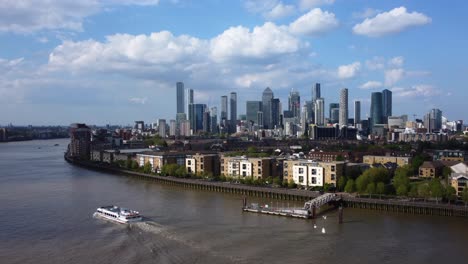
78 68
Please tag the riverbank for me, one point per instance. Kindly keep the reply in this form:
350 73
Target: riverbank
285 194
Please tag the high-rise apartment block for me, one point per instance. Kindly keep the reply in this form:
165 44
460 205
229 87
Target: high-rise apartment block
343 107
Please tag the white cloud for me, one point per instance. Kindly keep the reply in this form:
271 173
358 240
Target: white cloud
371 85
368 12
349 71
393 76
396 62
262 42
280 11
315 22
393 21
376 63
27 16
421 90
138 100
308 4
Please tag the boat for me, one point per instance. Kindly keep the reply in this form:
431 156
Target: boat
118 214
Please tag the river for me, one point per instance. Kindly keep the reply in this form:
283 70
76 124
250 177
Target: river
47 206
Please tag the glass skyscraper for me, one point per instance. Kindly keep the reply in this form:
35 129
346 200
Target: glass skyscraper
267 96
252 109
180 97
386 103
376 109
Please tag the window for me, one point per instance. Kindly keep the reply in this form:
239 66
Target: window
301 179
189 162
286 173
201 166
285 164
314 171
244 166
259 171
333 177
314 180
301 170
201 159
259 163
333 168
244 173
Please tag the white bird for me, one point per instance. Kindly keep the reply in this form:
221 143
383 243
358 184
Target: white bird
323 230
315 226
324 217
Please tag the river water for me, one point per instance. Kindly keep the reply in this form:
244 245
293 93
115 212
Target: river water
46 208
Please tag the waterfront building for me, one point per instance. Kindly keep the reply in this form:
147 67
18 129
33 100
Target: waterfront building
162 127
243 167
201 164
386 104
430 169
320 111
294 104
159 159
400 161
450 155
252 109
80 143
459 181
233 112
267 97
357 113
310 173
376 110
180 97
343 120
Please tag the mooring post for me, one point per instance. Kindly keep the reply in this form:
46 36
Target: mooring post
340 214
244 202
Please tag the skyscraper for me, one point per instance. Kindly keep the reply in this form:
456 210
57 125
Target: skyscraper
294 104
334 115
214 120
180 97
162 127
386 104
376 109
343 107
357 112
196 123
310 111
252 109
188 99
267 96
316 92
275 112
320 111
224 107
233 112
433 120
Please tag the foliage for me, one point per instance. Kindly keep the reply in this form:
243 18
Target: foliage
277 181
372 175
326 187
147 167
135 165
370 189
292 184
436 189
380 188
401 180
413 192
424 190
402 190
417 161
156 141
350 186
340 158
450 193
341 184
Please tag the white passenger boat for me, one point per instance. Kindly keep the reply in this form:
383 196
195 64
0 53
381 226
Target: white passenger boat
118 214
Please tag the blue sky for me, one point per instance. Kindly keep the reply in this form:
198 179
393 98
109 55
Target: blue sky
116 61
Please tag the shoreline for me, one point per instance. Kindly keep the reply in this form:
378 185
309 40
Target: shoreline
348 201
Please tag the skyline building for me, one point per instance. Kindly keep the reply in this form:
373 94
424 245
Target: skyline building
376 109
357 112
267 97
294 104
214 119
172 127
162 127
275 112
386 104
224 108
331 115
310 111
233 112
188 100
343 120
316 92
180 94
320 112
252 108
433 120
197 111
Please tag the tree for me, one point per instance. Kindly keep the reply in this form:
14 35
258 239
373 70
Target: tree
402 190
340 158
401 180
276 181
349 188
370 189
424 191
450 193
380 189
326 187
291 184
181 171
413 193
135 165
418 160
147 167
251 149
362 182
464 195
436 189
341 184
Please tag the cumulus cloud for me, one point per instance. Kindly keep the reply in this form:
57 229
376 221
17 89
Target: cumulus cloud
27 16
396 62
368 12
138 100
393 76
421 90
376 63
307 4
315 22
279 11
371 85
349 71
393 21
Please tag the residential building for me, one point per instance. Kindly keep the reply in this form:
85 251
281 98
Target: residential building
328 156
275 110
172 127
450 155
224 107
343 120
188 100
214 120
357 113
162 127
400 161
320 111
316 92
202 164
233 112
80 143
459 181
310 173
430 169
243 167
159 159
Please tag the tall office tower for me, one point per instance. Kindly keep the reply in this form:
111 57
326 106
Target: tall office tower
162 127
214 120
357 112
188 99
196 123
294 104
252 108
376 109
310 111
260 119
180 97
206 121
316 92
304 118
386 104
320 111
172 127
267 96
343 107
224 107
333 111
275 112
233 112
433 120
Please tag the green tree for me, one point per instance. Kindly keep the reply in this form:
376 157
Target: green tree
180 171
251 149
380 189
135 165
413 193
370 189
277 181
340 158
341 184
401 181
349 188
464 195
292 184
402 190
147 167
424 191
326 187
450 193
417 161
436 189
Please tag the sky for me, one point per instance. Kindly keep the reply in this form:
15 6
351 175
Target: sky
117 61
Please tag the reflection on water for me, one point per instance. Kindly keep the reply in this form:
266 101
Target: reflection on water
47 206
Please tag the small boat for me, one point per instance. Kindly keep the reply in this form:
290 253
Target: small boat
118 214
324 217
323 230
315 226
